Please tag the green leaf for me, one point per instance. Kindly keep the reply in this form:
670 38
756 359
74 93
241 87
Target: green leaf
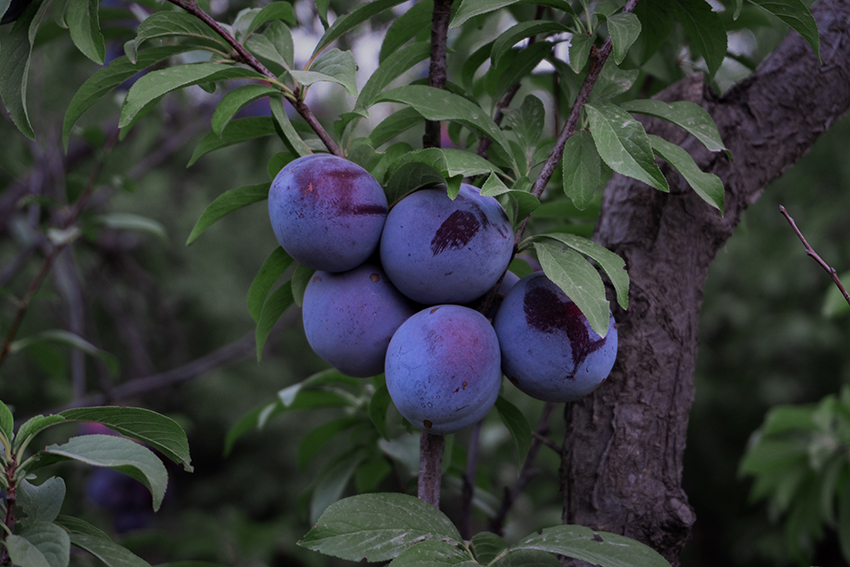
390 69
300 279
238 131
623 144
119 454
226 203
613 82
84 25
526 558
578 279
129 221
518 427
768 455
353 19
687 115
4 6
43 502
318 437
518 67
582 169
797 15
393 125
331 376
704 28
406 27
274 11
834 304
273 308
613 265
843 526
527 121
471 8
7 422
450 162
40 544
599 548
234 101
409 177
109 552
377 527
521 31
332 482
580 51
526 202
486 546
33 426
166 24
274 46
107 78
160 432
70 339
438 104
333 66
378 406
158 83
431 553
15 63
707 185
76 525
624 29
273 267
286 131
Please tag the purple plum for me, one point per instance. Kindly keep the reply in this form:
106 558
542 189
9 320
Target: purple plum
327 212
443 369
549 351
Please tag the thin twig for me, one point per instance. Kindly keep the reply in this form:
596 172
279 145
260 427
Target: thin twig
811 252
437 72
244 56
548 442
430 464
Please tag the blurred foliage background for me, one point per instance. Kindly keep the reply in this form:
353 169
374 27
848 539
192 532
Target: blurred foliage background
132 288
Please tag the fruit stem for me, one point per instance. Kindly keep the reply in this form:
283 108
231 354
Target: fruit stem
430 463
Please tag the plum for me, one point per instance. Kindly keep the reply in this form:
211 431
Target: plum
436 250
327 212
549 351
442 368
350 317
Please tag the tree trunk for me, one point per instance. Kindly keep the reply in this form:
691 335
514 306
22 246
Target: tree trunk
622 468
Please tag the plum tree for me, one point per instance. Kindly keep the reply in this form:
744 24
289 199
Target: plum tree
439 250
548 349
327 212
442 368
350 317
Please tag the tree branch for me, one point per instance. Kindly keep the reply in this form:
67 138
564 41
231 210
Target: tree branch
437 72
430 463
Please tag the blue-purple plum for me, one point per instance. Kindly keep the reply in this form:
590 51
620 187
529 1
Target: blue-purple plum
350 317
436 250
443 370
549 351
327 212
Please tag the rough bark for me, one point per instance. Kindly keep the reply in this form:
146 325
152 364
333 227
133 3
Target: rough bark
623 458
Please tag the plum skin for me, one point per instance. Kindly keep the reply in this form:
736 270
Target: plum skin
350 317
442 369
549 351
436 250
327 212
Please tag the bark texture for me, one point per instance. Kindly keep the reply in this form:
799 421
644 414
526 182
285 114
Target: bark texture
622 469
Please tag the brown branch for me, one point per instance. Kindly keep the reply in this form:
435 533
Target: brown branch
245 57
430 463
814 255
437 72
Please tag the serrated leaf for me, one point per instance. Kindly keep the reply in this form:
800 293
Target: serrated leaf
41 502
581 168
286 131
527 121
33 426
580 45
623 144
274 46
226 203
613 265
624 29
275 264
300 279
431 553
393 125
84 25
15 63
378 405
333 66
438 104
274 11
613 82
707 185
377 527
578 279
521 31
160 432
116 453
450 162
797 15
409 177
158 83
353 19
41 544
273 308
526 558
107 78
705 29
517 426
7 422
526 203
87 537
76 525
129 221
390 69
238 131
165 24
234 101
486 546
332 482
406 27
70 339
690 117
599 548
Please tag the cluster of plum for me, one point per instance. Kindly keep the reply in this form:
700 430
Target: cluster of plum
393 287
